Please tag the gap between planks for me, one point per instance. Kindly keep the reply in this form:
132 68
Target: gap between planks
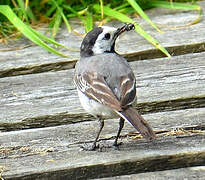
49 99
36 60
55 152
70 118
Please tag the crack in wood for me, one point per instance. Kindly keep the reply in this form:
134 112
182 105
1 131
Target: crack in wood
173 50
33 69
69 64
172 104
12 152
178 133
123 167
67 118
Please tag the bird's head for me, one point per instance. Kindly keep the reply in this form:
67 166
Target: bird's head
102 39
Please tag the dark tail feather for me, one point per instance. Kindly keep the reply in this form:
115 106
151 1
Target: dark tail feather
138 122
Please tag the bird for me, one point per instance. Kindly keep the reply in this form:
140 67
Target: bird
105 82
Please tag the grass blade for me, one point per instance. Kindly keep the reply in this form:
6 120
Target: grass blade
45 38
88 22
22 7
180 6
142 14
101 7
29 12
112 13
174 5
63 16
57 23
24 29
115 14
50 11
66 22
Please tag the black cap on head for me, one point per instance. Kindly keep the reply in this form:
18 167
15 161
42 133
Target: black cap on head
102 40
89 41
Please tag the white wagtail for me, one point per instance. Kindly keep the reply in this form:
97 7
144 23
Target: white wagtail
105 82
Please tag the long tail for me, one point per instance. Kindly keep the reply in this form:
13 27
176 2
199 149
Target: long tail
138 122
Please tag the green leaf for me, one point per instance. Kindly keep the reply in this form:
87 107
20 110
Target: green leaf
174 5
49 40
30 14
67 7
63 16
115 14
50 10
57 23
101 7
181 6
26 30
112 13
124 5
88 22
142 14
22 7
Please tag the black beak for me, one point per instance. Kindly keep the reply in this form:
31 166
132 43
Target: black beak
126 27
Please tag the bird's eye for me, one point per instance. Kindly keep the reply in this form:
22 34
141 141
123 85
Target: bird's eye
107 36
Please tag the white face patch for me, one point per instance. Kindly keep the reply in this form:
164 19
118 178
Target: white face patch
102 44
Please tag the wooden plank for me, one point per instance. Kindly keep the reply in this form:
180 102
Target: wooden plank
192 118
55 152
48 99
42 95
33 59
192 173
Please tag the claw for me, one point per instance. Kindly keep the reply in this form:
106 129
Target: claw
116 146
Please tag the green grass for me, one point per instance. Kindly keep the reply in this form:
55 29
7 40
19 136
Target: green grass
20 15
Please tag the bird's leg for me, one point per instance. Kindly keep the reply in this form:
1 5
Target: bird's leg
93 147
98 134
121 125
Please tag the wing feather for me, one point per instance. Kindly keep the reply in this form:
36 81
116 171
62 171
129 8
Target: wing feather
95 87
128 89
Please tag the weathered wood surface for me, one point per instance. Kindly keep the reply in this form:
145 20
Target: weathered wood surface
50 98
55 153
171 95
181 40
135 157
191 173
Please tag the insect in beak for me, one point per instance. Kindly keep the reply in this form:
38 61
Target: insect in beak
126 27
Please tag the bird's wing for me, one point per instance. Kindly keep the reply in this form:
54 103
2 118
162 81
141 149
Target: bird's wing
96 87
128 89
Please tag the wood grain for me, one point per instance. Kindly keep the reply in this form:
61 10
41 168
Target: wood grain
192 173
50 98
42 124
55 152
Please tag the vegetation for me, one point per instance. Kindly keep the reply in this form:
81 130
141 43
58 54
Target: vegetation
22 15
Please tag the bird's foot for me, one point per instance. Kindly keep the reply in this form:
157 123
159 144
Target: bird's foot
100 147
87 147
116 145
